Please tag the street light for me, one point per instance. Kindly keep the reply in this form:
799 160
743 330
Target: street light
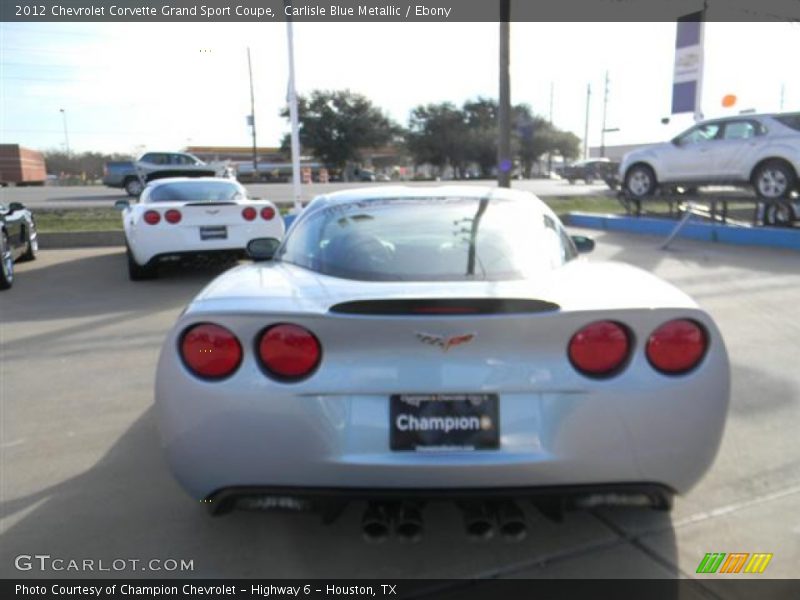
603 139
66 136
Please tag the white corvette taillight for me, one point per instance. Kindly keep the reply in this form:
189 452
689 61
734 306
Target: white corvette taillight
173 216
152 217
249 213
600 349
210 351
289 352
267 213
677 346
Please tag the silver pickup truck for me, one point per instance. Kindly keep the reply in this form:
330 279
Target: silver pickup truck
133 176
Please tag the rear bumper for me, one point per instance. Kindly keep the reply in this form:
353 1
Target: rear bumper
193 255
556 428
547 498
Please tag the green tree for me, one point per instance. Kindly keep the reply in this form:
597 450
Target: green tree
567 144
337 125
481 118
437 134
533 136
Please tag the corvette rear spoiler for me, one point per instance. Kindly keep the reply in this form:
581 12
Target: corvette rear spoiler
444 306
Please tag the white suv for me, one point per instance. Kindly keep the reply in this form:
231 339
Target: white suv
762 151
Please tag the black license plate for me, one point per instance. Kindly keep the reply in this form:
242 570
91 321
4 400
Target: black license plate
214 233
444 421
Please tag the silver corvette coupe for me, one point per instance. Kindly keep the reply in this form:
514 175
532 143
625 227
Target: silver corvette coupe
408 345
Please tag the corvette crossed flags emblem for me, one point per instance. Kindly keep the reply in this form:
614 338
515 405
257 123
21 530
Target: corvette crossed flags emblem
445 343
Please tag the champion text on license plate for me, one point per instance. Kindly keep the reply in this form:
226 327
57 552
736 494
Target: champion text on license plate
444 421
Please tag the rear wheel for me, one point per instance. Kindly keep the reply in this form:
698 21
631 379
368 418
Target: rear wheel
137 272
774 180
640 181
133 186
32 246
6 263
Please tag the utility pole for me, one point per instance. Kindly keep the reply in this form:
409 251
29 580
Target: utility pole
586 127
252 114
605 109
550 154
295 137
504 163
66 135
783 94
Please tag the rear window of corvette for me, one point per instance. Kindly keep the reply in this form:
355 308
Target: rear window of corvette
430 239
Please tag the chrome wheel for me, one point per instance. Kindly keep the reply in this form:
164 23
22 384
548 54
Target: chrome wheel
6 264
640 182
32 246
772 182
134 187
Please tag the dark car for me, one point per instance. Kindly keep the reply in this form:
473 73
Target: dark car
591 170
18 240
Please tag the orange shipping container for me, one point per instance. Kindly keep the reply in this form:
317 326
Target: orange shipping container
21 166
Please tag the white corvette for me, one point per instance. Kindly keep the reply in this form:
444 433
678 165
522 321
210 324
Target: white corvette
181 217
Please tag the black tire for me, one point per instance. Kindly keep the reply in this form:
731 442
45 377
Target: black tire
133 187
136 272
779 214
774 180
640 181
6 263
32 246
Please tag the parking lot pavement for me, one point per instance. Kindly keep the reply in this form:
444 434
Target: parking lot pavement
281 193
83 477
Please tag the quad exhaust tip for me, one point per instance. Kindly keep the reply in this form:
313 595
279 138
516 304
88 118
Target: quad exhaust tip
376 524
380 520
483 520
408 526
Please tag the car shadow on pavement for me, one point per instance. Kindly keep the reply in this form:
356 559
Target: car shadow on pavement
127 506
98 284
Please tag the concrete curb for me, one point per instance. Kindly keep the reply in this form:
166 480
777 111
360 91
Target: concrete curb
709 232
80 239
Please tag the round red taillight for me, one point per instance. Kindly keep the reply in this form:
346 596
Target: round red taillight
289 352
267 213
600 349
677 346
210 351
249 213
172 216
151 217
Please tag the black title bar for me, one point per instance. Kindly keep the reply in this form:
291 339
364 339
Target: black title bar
390 10
315 589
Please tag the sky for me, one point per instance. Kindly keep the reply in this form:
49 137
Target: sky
132 87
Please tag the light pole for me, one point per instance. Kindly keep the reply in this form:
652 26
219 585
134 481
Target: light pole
294 119
252 115
605 110
66 136
586 128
